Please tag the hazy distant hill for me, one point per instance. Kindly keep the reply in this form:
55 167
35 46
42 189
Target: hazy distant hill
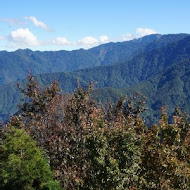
162 74
14 66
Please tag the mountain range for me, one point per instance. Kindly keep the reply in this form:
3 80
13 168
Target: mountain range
14 66
157 65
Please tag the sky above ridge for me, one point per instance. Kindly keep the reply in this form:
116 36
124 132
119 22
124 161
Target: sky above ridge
73 24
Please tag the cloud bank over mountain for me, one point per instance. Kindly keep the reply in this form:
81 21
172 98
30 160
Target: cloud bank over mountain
26 35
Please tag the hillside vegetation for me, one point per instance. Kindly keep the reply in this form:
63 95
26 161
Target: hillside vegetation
14 66
162 74
89 146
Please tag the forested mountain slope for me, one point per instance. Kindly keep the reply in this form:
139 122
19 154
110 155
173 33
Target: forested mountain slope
14 66
146 70
170 88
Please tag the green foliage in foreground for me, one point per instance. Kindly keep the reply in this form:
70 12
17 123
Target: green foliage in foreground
23 165
91 146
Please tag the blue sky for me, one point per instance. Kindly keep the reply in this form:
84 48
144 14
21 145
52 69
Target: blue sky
72 24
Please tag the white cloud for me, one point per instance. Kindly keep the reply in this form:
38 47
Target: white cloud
145 31
140 32
128 36
23 38
13 21
88 41
60 41
103 39
38 23
2 37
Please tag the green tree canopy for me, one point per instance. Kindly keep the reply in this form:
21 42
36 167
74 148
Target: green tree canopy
23 165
